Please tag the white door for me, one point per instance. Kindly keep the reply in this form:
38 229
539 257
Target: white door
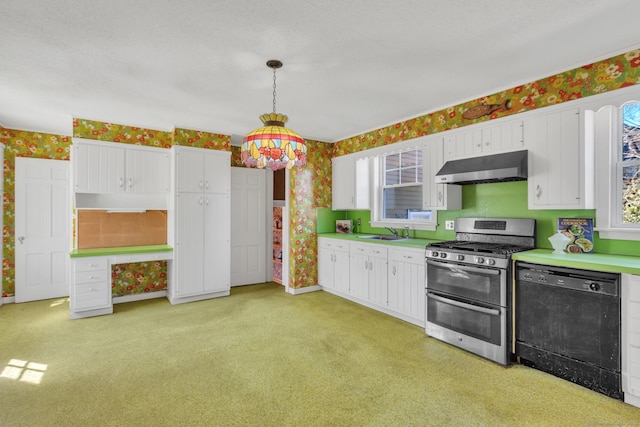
248 226
42 237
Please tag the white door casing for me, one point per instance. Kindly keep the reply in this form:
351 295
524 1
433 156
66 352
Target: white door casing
42 237
248 226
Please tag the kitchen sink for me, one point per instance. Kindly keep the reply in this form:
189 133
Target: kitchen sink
383 237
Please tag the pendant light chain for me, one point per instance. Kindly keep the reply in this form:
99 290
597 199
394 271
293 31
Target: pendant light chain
274 90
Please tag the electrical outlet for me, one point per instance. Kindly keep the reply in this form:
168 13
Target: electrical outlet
449 225
359 221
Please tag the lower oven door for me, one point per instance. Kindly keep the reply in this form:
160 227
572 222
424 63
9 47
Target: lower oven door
476 328
484 284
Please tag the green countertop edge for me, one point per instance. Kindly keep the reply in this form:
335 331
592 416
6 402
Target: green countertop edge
409 243
598 262
120 250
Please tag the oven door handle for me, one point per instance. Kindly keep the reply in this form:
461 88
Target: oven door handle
487 271
460 304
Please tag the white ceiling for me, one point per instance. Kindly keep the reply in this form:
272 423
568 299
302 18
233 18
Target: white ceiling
349 66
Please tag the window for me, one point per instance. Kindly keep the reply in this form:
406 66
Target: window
398 192
617 154
628 166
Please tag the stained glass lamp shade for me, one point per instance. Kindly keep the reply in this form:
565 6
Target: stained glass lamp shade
273 145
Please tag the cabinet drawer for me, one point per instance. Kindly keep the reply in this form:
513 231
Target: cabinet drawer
90 277
404 255
90 296
377 251
151 256
338 245
90 264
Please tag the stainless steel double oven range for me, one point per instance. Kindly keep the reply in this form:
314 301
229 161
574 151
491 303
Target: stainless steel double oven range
469 282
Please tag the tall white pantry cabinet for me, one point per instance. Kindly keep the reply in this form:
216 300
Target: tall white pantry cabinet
200 212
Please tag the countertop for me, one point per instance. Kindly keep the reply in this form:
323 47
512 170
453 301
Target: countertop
598 262
409 243
120 250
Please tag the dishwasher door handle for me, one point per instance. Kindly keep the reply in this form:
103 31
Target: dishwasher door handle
491 311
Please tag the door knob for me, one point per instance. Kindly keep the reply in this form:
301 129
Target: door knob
21 239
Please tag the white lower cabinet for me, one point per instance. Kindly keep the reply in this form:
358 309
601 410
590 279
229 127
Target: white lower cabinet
385 277
407 284
631 338
90 292
368 272
333 264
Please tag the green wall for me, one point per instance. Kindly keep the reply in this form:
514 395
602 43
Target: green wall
508 199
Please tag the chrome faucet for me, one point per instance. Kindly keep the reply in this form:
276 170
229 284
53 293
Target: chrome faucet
393 231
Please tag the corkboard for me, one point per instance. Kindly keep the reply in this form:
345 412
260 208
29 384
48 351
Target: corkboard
101 229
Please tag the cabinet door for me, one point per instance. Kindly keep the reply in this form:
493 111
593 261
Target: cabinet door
407 282
341 271
437 196
98 168
217 173
359 273
343 183
556 160
189 258
217 246
147 171
189 171
325 267
378 279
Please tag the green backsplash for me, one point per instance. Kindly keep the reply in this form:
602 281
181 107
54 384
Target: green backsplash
504 200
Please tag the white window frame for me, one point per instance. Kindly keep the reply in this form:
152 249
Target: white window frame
377 207
608 173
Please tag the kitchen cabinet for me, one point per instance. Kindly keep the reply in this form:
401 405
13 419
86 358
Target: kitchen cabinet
406 284
437 196
560 161
201 218
368 272
109 167
333 264
484 139
90 292
350 183
631 338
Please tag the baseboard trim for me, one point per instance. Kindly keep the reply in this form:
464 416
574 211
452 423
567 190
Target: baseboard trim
305 290
139 297
8 300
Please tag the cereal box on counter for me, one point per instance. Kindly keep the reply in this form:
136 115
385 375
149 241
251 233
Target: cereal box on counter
580 234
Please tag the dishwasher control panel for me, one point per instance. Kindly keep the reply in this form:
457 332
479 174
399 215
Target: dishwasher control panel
580 280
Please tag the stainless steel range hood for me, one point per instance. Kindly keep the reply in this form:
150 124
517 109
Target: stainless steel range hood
478 170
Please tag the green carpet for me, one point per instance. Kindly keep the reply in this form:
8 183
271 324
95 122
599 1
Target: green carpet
263 357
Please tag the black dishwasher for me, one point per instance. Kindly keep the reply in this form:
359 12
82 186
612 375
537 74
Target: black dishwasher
567 323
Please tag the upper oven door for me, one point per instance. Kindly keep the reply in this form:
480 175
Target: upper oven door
485 284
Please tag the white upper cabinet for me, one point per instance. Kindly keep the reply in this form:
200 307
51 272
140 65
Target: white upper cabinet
560 161
350 183
109 167
484 139
198 171
437 196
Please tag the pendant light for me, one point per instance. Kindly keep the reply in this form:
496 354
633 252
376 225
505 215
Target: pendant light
273 145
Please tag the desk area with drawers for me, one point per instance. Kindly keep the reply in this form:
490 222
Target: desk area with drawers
90 290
